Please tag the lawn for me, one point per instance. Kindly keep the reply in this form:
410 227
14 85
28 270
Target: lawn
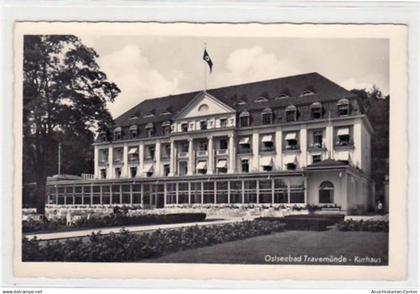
305 247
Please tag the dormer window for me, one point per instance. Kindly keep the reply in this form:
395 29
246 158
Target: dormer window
242 102
117 133
316 110
282 96
244 119
166 126
134 117
149 129
149 114
184 127
267 116
261 99
167 111
343 107
203 107
102 137
291 113
307 93
133 131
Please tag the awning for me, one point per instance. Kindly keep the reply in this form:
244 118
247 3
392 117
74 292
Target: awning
148 168
201 165
244 141
221 164
133 150
343 132
266 161
267 138
290 136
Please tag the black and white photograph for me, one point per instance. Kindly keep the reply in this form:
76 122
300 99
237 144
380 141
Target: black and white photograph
153 145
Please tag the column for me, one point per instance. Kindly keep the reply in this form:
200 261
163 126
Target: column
56 195
243 191
110 172
202 192
74 198
210 164
177 193
83 194
91 194
157 158
258 191
121 195
141 195
215 193
165 191
190 157
228 192
125 172
100 194
306 189
279 150
329 141
254 164
303 147
172 159
95 161
232 154
141 160
189 193
131 193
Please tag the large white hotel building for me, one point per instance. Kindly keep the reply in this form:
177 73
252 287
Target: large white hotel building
289 141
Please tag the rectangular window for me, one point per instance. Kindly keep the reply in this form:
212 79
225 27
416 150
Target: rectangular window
103 155
103 173
150 152
344 136
223 144
223 122
118 172
290 116
166 169
203 125
244 121
267 118
245 165
317 139
316 158
133 171
118 154
184 127
291 141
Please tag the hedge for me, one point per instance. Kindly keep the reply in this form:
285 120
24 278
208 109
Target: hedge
361 225
113 220
310 222
130 247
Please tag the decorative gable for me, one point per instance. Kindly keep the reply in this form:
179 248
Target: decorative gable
204 104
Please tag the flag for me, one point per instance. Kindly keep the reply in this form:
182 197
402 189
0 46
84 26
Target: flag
206 58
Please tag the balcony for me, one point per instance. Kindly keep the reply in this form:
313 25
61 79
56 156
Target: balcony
149 158
344 144
222 152
316 147
244 150
183 154
268 149
133 158
103 162
291 148
202 153
118 161
164 156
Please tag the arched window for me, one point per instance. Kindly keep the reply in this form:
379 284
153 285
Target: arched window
326 192
307 92
203 107
343 107
291 113
267 116
316 110
244 119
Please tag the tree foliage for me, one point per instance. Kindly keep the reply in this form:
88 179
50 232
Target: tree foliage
65 95
376 105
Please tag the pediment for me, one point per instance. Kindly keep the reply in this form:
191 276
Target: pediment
204 104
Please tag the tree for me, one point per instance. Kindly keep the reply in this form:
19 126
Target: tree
65 94
376 105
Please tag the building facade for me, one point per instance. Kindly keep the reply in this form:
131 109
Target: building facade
289 141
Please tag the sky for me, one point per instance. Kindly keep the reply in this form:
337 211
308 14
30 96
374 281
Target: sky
147 67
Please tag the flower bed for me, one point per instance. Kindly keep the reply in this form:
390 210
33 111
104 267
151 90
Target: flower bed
129 247
361 225
311 222
113 220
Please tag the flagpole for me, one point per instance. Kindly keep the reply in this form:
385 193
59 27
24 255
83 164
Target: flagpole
205 71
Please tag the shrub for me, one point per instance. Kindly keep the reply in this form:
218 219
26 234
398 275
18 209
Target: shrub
361 225
317 222
112 220
126 246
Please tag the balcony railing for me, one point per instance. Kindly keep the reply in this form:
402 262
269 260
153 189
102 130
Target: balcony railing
103 162
291 147
244 150
316 146
344 144
149 158
222 152
118 161
165 156
268 149
133 159
202 153
182 154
